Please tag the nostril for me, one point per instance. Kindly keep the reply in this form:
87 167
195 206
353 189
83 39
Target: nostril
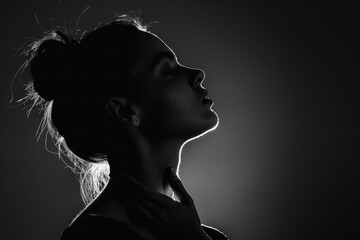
199 77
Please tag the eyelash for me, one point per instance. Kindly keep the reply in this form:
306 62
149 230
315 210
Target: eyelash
169 71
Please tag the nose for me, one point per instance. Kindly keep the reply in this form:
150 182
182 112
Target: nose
197 78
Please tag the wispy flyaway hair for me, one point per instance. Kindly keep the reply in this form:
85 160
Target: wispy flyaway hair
65 86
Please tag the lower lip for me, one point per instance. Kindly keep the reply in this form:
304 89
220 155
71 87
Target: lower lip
207 101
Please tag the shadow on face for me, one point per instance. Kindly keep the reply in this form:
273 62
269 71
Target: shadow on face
165 97
125 78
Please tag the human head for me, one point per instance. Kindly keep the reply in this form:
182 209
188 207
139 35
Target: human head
83 83
166 95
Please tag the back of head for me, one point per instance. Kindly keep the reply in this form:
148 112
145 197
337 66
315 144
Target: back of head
79 78
71 82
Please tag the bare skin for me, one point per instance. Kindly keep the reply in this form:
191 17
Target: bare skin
166 113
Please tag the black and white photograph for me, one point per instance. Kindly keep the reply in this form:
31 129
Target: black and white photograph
179 120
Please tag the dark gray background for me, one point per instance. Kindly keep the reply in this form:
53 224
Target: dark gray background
283 163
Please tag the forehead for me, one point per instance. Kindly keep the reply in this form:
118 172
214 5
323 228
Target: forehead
149 45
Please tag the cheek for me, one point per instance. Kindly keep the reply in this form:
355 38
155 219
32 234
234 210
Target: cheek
180 102
172 105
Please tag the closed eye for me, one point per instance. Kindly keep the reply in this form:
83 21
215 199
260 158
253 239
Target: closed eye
168 70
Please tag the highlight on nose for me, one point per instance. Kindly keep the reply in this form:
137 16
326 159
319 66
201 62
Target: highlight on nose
197 78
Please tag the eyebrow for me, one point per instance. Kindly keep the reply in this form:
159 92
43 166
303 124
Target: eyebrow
161 55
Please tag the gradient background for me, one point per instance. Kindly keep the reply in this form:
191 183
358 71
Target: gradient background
283 163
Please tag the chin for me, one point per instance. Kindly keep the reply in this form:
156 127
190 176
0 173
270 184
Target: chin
211 123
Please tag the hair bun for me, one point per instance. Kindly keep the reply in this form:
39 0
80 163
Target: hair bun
50 68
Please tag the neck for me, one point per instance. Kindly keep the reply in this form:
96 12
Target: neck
146 161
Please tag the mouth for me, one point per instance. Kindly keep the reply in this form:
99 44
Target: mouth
204 95
205 99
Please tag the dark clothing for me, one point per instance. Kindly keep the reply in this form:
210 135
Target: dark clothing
96 227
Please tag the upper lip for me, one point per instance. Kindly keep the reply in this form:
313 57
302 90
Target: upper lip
204 94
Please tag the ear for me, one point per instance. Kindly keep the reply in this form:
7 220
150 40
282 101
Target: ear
124 111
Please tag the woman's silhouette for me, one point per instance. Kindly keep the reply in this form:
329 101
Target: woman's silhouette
119 99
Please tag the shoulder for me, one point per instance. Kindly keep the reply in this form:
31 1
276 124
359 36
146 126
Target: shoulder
214 233
96 227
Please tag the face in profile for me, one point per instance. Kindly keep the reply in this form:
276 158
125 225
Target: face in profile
169 94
